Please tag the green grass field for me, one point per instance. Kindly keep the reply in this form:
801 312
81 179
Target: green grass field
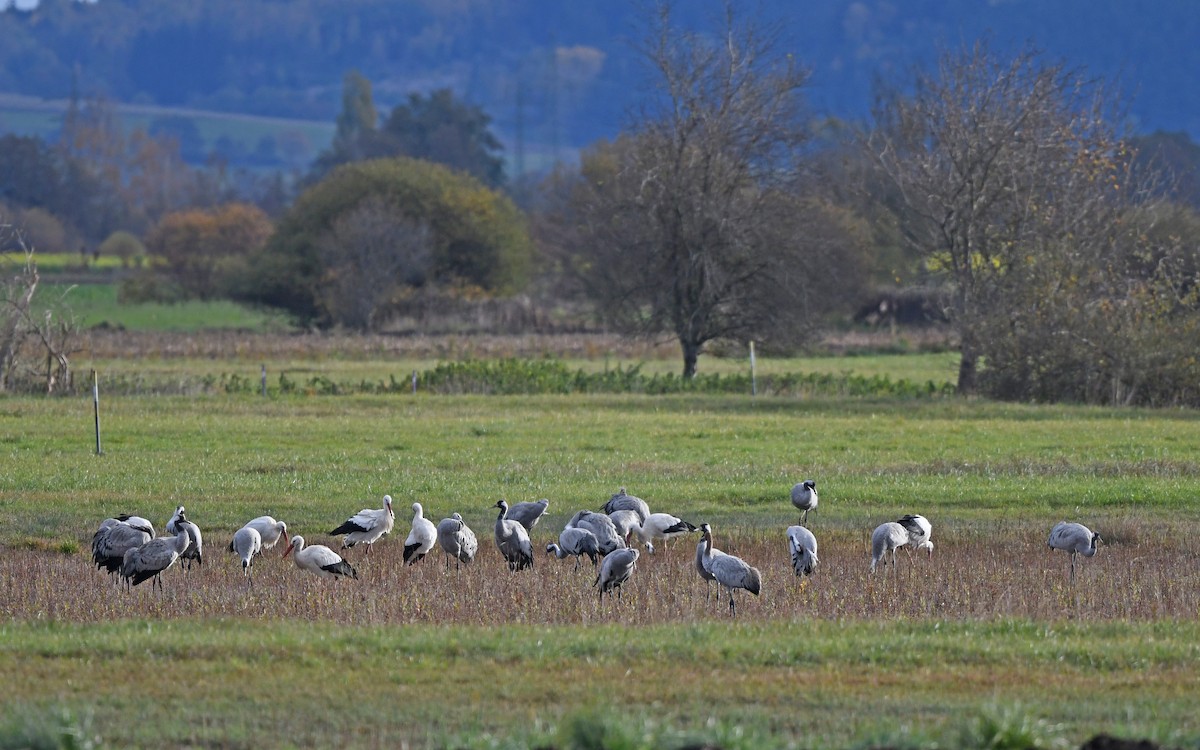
986 644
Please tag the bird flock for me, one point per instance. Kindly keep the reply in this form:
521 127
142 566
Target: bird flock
128 549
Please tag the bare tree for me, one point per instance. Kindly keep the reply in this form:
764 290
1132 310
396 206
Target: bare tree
1011 182
369 252
22 329
689 223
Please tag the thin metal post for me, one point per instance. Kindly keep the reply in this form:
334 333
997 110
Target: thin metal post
264 380
96 408
414 382
753 372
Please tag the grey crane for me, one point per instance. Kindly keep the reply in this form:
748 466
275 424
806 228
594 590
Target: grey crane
319 560
804 497
421 538
624 501
1074 538
529 513
702 567
247 543
367 526
625 521
730 571
602 526
513 541
887 537
803 546
578 542
661 526
156 555
195 550
457 540
615 571
113 539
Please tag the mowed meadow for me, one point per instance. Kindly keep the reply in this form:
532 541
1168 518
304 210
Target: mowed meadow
987 643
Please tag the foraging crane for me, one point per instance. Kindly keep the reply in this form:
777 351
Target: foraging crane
513 541
578 542
367 526
803 546
269 530
602 526
156 555
422 537
247 543
615 571
729 571
624 501
319 560
804 497
887 537
1074 538
661 526
195 550
457 540
528 514
113 539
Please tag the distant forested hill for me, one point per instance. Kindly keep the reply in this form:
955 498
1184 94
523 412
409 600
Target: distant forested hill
560 74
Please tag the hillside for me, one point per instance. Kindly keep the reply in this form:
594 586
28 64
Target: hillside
554 76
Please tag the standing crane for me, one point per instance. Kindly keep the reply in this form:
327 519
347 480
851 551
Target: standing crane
457 540
513 541
730 571
617 568
803 546
804 497
1074 538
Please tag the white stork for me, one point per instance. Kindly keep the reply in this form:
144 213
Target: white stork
803 546
730 571
1074 538
367 526
804 497
269 530
247 543
422 537
661 526
319 560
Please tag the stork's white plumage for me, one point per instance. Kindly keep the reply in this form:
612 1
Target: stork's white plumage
513 541
618 566
919 531
600 525
1074 538
804 497
367 526
803 546
269 530
457 540
422 537
319 560
661 526
624 501
578 542
247 543
156 555
730 571
529 513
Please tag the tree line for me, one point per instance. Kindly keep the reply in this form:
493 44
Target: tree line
1064 260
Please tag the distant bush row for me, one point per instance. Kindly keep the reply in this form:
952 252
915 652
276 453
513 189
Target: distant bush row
531 377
